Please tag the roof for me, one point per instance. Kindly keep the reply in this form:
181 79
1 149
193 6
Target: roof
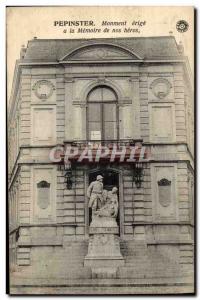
145 47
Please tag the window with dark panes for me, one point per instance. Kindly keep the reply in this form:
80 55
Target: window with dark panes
102 114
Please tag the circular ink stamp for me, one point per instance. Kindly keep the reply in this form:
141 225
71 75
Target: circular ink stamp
182 26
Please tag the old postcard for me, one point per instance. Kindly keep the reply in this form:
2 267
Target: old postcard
100 150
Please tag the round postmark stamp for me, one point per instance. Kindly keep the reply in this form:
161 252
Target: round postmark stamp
182 26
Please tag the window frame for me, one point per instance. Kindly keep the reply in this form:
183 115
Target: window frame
102 102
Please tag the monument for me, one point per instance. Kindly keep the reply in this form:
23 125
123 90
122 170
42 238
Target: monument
104 256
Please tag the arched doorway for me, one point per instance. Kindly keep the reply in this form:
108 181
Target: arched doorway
110 180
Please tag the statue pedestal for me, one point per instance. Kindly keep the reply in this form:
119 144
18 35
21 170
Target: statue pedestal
104 256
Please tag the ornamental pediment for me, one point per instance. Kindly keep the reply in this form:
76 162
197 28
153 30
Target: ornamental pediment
101 52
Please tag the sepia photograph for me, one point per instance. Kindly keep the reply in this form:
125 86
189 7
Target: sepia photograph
100 142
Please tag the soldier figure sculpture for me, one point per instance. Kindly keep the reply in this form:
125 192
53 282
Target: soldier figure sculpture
95 194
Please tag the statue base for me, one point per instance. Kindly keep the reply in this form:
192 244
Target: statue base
104 256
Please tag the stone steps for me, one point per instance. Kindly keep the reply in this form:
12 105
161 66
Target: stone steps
67 262
133 249
56 272
63 286
139 263
145 271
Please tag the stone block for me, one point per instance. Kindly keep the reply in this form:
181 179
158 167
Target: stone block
80 219
128 229
23 262
186 260
68 219
80 212
140 204
128 211
80 230
80 205
24 255
127 178
69 212
69 199
24 214
128 191
69 230
80 198
138 218
68 205
128 184
24 220
128 198
128 218
69 192
80 192
139 230
138 211
128 204
24 231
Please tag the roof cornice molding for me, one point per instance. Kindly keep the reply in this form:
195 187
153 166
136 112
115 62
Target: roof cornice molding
56 63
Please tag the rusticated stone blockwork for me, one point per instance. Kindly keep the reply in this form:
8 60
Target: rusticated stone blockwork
132 92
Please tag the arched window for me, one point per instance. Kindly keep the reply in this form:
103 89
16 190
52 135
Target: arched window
102 114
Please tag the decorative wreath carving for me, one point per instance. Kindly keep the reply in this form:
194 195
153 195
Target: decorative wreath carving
43 89
164 182
161 87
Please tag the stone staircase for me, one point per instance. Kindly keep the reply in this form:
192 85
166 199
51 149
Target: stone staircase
61 271
142 263
60 262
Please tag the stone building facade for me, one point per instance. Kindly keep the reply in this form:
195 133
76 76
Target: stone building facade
131 91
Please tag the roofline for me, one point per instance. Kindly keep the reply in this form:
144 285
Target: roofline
106 38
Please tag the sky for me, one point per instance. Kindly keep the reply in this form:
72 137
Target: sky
24 23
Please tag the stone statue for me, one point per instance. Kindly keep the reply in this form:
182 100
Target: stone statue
110 209
104 255
95 194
